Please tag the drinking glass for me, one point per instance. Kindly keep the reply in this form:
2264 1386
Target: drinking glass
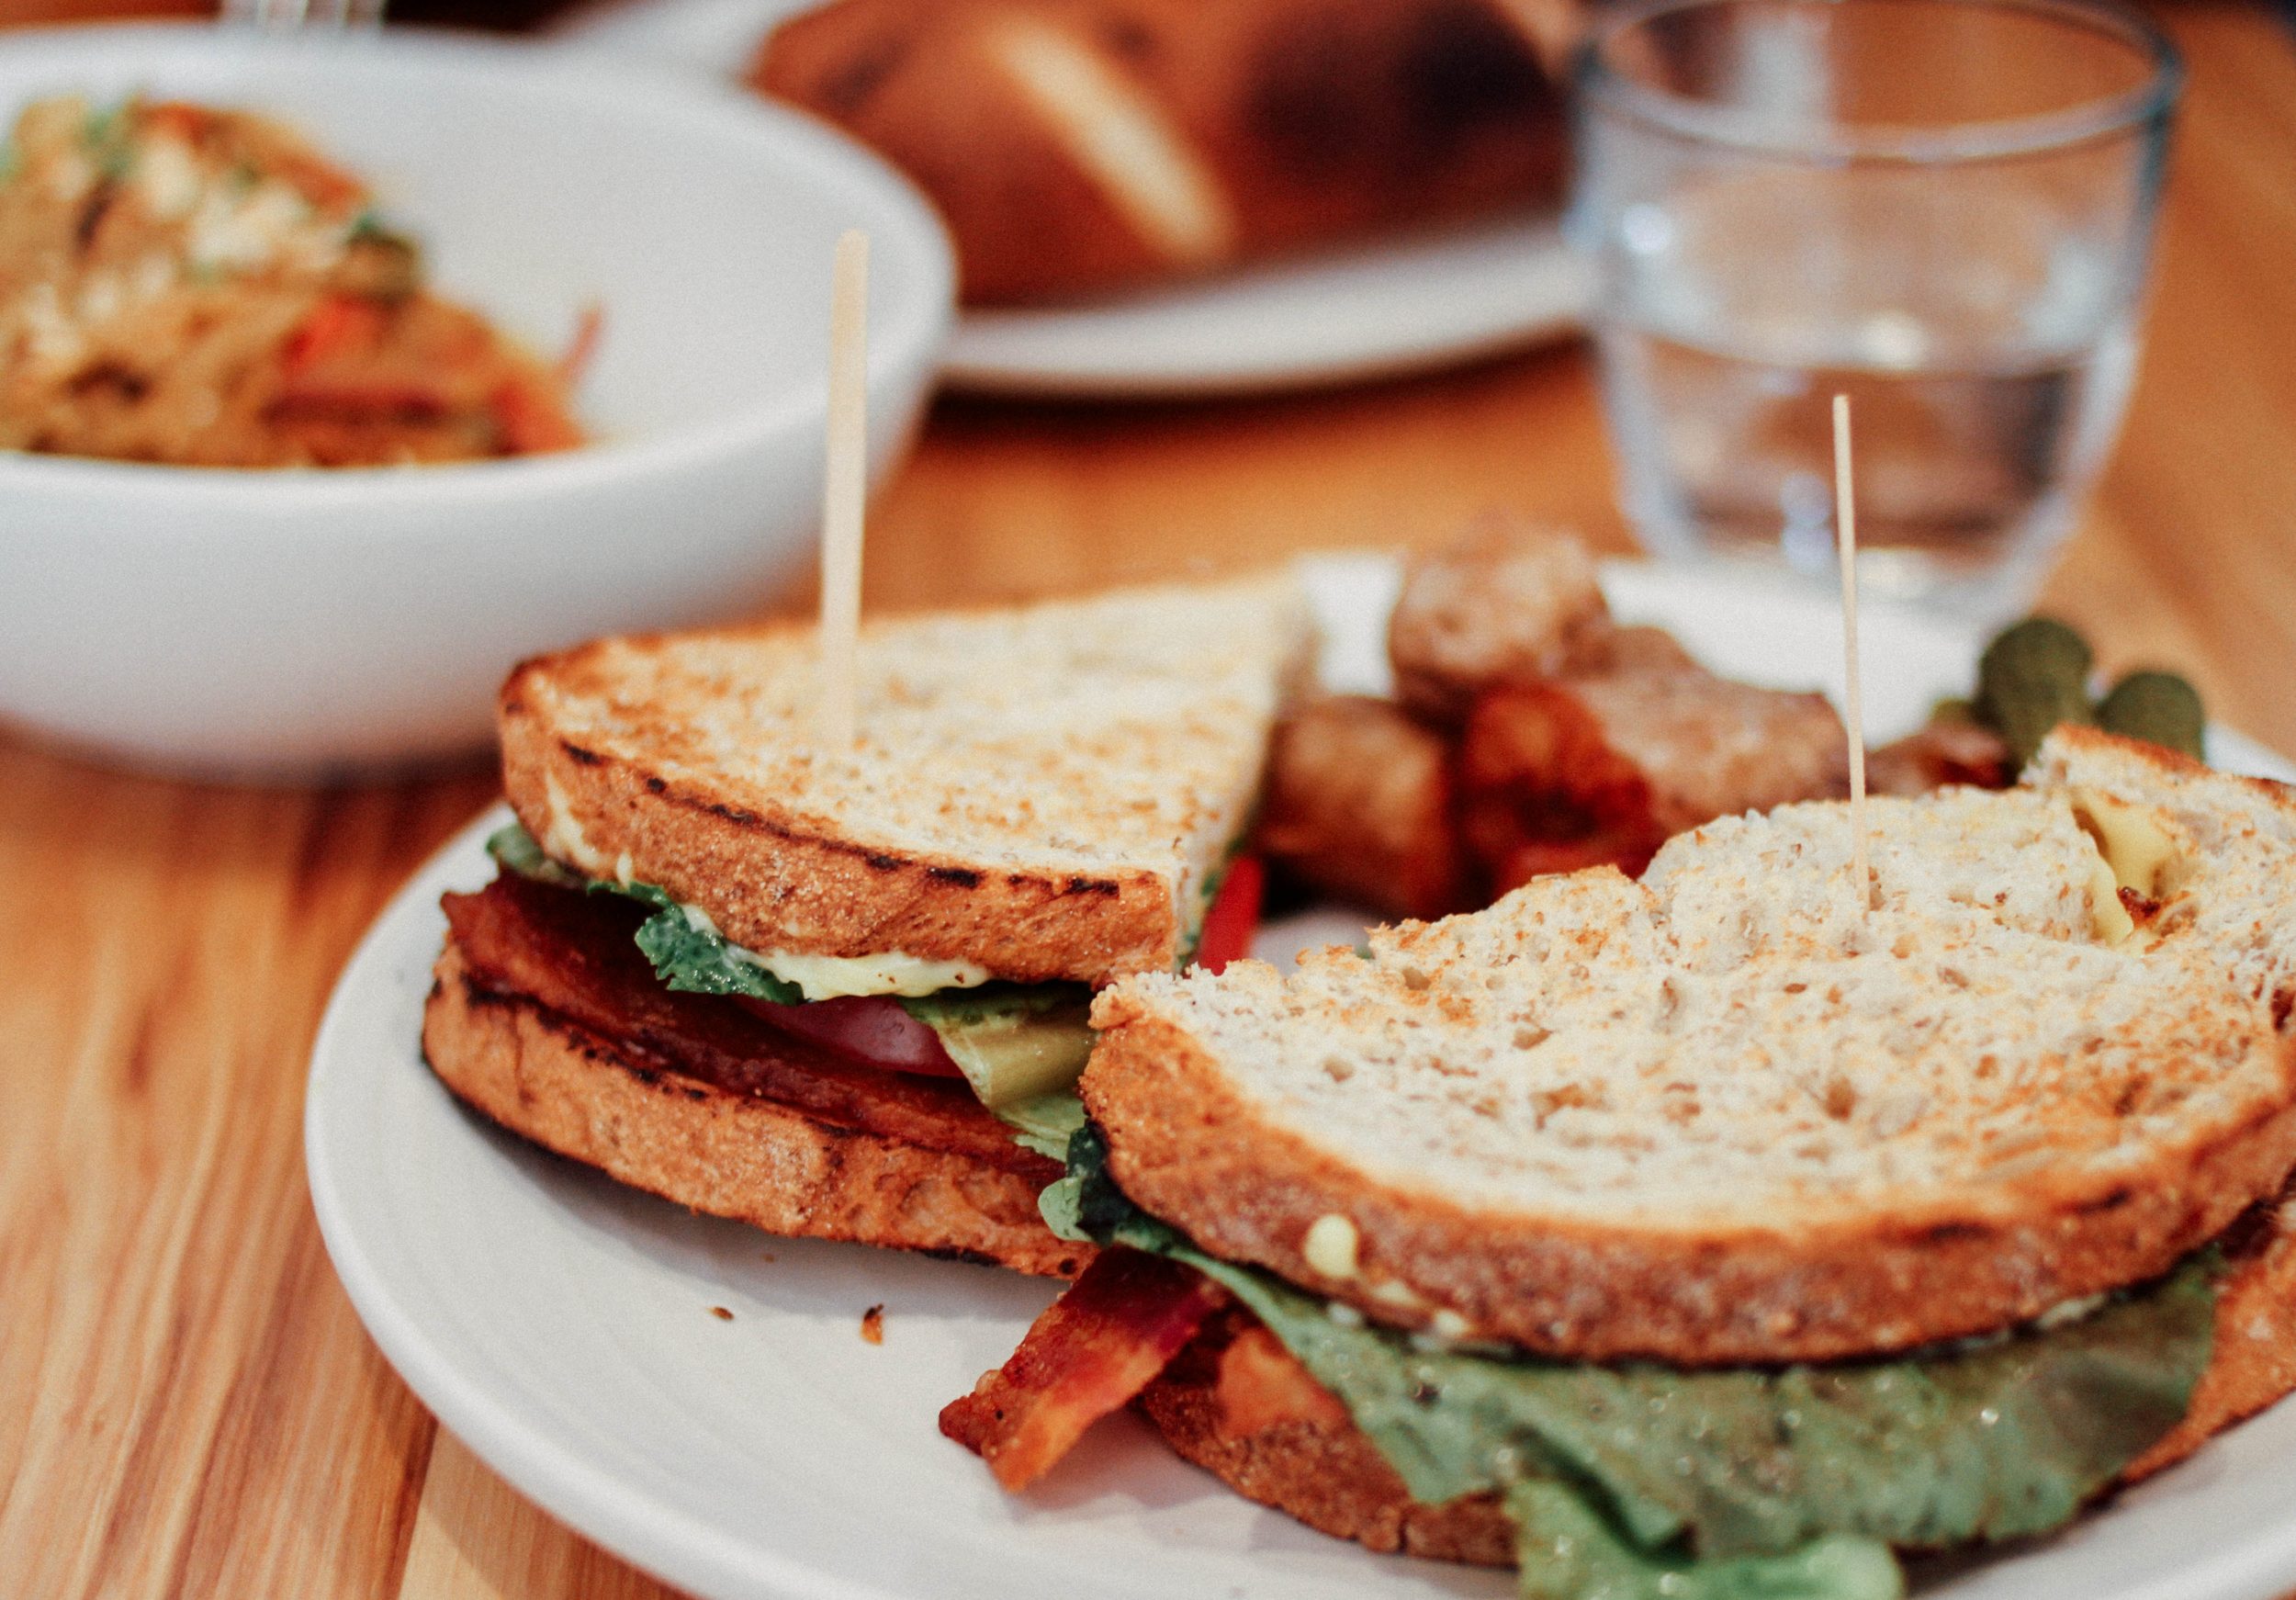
1942 208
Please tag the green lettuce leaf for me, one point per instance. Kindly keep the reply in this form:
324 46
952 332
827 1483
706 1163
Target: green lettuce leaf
515 851
1045 1123
1738 1482
687 952
690 954
1086 1206
1013 1041
1562 1548
1990 1440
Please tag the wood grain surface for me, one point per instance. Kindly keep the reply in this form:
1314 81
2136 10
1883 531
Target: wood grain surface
189 1407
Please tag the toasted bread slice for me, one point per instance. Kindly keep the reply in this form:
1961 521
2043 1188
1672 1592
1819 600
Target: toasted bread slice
1308 1459
1313 1463
1044 792
730 1155
1727 1114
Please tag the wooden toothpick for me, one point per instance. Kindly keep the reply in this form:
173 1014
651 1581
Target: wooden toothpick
844 489
1846 519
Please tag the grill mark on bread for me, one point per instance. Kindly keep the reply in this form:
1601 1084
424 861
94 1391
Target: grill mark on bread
1183 684
880 861
755 1160
740 817
576 753
927 876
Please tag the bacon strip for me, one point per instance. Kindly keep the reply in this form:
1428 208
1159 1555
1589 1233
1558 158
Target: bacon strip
572 954
1094 1349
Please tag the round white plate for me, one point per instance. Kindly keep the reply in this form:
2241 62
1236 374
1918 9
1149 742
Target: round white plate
1373 311
563 1326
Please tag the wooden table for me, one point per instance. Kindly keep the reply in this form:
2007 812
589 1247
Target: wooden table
188 1406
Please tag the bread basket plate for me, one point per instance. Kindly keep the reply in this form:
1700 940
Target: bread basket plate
1374 310
564 1327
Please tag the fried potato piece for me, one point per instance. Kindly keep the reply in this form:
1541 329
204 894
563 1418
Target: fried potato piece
1556 776
1506 603
1359 805
1944 752
1540 789
1640 648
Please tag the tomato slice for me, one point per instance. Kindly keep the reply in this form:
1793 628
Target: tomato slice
872 1029
1234 916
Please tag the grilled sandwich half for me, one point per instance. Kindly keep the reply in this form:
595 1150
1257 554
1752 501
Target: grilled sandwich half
839 993
1725 1230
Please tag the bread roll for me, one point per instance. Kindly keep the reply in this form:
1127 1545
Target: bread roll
1078 146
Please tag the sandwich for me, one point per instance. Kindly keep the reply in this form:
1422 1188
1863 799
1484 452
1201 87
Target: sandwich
837 994
1729 1230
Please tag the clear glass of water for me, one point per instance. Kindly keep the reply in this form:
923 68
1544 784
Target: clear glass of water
1942 208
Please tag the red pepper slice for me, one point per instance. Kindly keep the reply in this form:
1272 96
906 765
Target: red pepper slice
1234 916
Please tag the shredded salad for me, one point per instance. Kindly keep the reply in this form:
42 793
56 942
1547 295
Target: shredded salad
201 288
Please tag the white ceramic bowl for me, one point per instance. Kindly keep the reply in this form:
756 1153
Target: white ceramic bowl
301 624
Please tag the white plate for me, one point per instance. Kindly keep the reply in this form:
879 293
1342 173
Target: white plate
1382 309
562 1325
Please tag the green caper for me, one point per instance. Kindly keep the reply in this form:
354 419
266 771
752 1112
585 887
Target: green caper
2030 678
2160 706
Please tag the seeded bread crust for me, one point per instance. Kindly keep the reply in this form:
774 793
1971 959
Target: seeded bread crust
728 1154
839 898
1249 1191
1044 792
1247 1171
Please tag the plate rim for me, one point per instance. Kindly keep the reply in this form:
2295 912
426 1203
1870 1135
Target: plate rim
998 352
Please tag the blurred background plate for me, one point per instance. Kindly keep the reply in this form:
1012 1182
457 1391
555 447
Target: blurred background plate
1400 305
1396 307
